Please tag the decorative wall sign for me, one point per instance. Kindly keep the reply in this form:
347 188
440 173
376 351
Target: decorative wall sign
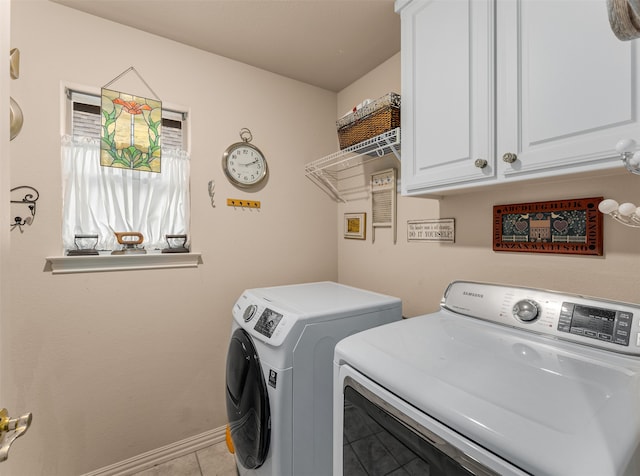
355 225
442 230
571 226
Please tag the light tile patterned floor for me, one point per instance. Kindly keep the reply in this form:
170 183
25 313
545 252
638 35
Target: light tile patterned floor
211 461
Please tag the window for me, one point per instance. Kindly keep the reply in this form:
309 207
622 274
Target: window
104 200
85 120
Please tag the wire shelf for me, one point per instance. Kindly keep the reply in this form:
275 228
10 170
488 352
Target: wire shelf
325 172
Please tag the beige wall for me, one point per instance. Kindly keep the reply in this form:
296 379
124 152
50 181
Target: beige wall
419 272
116 364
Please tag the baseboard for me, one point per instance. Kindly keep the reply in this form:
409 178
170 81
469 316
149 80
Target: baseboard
161 455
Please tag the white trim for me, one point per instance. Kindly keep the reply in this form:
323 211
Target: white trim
108 262
400 4
152 458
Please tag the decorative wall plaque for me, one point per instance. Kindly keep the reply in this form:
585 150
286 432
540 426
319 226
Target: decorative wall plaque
572 226
441 230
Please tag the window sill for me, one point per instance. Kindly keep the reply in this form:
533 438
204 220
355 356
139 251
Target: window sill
109 262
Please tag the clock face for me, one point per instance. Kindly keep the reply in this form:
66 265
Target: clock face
244 164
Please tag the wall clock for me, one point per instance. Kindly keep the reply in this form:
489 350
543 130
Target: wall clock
243 163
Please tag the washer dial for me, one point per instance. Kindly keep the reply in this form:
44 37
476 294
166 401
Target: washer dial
249 312
526 310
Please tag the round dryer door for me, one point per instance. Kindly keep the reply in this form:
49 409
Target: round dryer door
247 402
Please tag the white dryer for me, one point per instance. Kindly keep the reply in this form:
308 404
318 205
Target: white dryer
502 380
279 372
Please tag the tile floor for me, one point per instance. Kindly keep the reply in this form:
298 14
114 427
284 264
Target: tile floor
211 461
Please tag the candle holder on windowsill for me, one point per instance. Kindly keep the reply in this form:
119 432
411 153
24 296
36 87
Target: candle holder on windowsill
176 244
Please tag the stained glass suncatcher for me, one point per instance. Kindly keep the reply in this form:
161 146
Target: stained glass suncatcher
131 131
571 226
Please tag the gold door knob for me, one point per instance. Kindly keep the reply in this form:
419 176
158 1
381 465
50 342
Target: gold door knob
480 163
10 429
510 157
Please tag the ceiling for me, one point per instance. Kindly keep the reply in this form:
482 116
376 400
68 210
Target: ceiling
326 43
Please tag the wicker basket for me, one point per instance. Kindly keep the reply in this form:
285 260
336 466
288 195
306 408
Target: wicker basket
375 118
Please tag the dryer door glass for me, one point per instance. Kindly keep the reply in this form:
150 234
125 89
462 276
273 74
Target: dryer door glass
378 442
247 402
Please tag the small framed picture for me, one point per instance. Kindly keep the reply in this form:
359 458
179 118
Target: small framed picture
355 225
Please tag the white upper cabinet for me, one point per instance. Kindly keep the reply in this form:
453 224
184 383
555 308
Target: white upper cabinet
447 93
567 88
564 91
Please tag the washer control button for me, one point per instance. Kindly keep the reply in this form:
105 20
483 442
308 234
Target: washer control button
526 310
249 312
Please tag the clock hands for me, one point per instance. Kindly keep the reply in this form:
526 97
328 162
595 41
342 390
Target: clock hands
248 163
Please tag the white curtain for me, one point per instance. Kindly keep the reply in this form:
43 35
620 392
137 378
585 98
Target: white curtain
102 200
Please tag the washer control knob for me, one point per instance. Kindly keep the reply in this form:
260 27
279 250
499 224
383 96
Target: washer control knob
249 312
526 310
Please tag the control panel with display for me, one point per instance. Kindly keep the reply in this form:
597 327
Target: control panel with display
571 317
597 323
268 322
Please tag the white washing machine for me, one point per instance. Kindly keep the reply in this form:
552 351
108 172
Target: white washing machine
279 372
501 381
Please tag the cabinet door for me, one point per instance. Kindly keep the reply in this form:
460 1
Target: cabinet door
567 88
447 93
